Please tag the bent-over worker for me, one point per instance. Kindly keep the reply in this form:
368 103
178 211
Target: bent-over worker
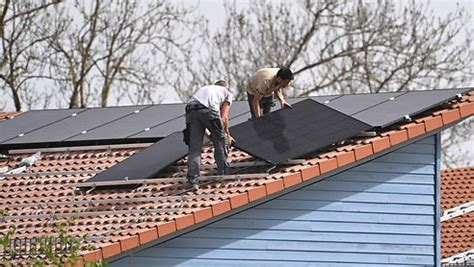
208 109
263 85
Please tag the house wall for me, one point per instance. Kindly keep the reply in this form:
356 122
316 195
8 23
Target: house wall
381 213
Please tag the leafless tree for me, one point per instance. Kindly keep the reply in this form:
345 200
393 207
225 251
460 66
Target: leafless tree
20 59
337 46
116 50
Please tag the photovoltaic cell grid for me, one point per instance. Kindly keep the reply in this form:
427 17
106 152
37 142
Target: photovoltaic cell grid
290 133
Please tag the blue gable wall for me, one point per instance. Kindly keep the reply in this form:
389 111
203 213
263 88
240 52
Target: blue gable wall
381 213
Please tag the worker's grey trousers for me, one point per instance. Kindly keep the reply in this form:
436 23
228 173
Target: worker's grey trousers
198 121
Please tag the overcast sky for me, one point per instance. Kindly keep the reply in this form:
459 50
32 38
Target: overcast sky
213 10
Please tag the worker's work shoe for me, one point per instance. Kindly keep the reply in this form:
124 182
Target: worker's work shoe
193 179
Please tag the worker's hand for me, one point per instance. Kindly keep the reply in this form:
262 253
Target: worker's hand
230 140
286 105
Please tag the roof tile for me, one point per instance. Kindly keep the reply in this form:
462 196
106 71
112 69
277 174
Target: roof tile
466 109
147 235
238 200
220 207
111 250
257 193
184 221
397 137
292 179
379 143
457 235
310 172
326 165
363 151
202 214
274 186
345 158
414 129
166 228
129 243
92 256
432 123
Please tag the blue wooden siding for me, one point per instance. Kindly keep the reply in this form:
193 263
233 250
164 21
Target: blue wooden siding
381 213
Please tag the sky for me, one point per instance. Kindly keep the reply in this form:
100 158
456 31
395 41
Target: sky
213 10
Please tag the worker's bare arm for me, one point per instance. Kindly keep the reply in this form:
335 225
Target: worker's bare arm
256 105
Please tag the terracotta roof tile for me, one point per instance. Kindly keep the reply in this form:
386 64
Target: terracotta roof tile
457 187
124 219
457 235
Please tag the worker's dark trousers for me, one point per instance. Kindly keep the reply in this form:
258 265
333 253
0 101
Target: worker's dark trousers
198 121
266 104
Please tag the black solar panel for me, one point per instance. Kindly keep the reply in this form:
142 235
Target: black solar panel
409 103
74 125
351 104
290 133
148 162
134 123
32 120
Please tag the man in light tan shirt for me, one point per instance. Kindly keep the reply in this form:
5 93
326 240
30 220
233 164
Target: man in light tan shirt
263 85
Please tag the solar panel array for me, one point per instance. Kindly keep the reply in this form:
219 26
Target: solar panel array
136 123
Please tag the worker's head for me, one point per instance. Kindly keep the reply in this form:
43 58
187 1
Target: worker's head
284 76
222 83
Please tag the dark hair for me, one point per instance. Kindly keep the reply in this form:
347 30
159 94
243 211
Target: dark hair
285 74
222 83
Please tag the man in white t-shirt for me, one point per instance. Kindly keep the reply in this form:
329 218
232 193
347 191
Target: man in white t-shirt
208 109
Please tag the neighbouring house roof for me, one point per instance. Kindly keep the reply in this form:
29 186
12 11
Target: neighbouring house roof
457 202
120 220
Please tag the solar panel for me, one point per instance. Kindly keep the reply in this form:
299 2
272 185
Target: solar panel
147 162
290 133
133 123
351 104
74 125
409 103
32 120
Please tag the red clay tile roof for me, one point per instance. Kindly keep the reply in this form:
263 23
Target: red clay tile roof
457 235
457 188
120 220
